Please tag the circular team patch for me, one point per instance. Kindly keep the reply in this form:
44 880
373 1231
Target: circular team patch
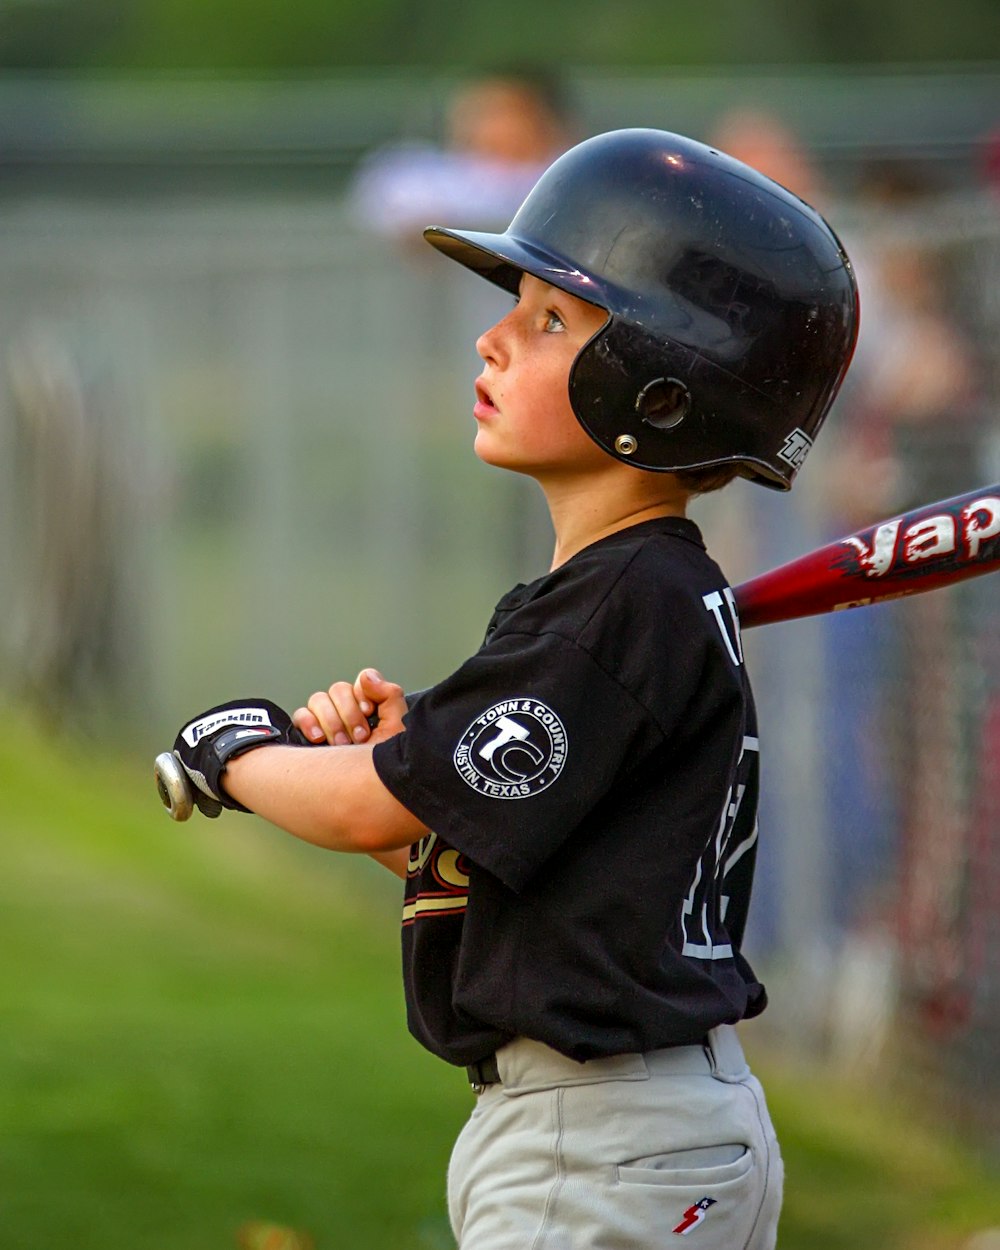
515 749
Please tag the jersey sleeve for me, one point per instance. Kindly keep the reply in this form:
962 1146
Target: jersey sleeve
504 758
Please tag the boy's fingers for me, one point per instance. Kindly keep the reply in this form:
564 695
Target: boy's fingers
340 715
372 686
329 719
354 719
387 697
304 721
368 686
364 696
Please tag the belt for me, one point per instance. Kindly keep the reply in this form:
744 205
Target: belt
533 1065
482 1073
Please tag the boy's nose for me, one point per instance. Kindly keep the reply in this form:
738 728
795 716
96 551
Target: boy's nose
489 345
483 344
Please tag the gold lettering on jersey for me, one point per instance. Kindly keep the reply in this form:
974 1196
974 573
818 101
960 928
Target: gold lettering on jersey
437 871
445 905
448 869
420 853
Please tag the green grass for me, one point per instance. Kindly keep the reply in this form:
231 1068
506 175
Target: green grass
863 1172
203 1025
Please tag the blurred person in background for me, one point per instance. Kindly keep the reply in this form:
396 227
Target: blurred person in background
910 432
765 142
769 144
502 131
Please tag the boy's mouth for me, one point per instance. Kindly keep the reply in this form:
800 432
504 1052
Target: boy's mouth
484 400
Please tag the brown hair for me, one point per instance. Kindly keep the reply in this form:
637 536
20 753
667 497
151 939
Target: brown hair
712 477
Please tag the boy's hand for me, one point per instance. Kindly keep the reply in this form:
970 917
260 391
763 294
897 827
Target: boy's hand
206 744
343 714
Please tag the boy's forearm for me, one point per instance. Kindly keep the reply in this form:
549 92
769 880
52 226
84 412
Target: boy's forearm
331 797
396 861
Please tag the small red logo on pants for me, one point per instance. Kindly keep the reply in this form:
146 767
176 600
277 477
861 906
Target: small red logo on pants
693 1216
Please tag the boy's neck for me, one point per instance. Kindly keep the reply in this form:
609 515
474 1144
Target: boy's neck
581 514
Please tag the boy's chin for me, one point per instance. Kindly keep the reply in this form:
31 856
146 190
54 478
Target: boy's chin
496 458
488 452
575 455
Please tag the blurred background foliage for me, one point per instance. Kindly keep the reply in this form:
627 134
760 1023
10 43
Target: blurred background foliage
265 35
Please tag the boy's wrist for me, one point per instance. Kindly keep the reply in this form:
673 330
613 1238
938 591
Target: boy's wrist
207 744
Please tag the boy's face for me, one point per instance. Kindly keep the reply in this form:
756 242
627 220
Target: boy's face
523 411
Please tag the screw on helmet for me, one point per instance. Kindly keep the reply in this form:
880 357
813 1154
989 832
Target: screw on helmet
733 309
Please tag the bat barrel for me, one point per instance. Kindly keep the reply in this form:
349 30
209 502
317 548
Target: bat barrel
937 545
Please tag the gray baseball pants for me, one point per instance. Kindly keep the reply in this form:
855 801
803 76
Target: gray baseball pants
625 1153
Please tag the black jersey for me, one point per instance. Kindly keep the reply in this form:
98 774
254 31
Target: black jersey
590 775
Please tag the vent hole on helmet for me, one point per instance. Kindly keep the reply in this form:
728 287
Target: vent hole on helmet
663 403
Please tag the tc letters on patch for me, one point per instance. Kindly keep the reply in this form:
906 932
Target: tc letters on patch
513 750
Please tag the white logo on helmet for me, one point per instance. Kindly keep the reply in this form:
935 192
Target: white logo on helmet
515 749
795 448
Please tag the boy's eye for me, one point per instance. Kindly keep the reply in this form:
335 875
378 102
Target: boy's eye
553 322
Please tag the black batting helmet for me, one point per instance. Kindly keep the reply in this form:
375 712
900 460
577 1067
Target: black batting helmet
732 305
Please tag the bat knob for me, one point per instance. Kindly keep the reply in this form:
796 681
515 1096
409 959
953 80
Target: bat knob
173 786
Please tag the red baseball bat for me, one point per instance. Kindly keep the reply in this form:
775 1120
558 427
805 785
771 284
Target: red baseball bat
936 545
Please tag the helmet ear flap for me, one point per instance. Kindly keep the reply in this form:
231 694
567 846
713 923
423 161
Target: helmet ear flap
651 425
688 417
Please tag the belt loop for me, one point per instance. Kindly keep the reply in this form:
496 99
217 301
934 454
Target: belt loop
482 1073
726 1055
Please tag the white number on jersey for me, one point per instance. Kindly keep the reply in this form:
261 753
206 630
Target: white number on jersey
703 914
733 641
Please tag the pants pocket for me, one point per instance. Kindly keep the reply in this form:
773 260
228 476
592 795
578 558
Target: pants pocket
715 1191
698 1166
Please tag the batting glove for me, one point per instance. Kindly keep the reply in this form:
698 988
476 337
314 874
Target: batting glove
206 745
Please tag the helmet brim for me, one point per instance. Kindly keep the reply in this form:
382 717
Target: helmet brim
503 258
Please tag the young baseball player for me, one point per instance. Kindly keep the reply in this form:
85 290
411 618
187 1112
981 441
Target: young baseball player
574 808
